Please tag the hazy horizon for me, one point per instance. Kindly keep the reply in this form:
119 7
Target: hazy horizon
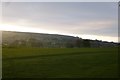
88 20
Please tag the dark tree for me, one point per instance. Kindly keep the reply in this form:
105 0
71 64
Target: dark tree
69 45
78 43
86 43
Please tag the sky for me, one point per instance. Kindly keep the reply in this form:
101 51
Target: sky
87 20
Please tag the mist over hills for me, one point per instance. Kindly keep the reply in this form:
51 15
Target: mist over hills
25 39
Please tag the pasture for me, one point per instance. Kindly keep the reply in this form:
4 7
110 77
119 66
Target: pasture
60 62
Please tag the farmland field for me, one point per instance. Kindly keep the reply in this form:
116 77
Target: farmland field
60 63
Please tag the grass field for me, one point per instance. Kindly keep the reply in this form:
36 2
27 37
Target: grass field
60 63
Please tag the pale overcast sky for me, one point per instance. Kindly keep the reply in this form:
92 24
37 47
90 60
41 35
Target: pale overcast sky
93 20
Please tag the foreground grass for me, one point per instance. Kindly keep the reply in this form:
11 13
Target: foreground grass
60 63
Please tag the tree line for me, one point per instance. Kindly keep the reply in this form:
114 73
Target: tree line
32 42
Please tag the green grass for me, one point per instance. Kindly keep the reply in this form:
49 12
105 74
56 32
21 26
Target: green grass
60 63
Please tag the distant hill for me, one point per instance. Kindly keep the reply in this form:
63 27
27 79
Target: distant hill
24 39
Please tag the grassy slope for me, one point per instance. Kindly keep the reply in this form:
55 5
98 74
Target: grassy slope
70 63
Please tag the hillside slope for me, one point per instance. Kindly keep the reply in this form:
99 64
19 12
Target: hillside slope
24 39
